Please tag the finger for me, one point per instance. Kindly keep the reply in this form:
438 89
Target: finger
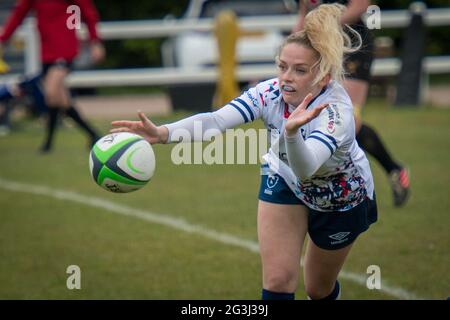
306 101
122 123
146 121
317 110
123 129
321 107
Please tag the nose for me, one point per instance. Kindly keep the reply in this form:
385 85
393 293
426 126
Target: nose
286 76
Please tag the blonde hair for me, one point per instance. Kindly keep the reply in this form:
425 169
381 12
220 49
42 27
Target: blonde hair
324 34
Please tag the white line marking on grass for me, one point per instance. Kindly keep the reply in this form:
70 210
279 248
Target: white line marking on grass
176 223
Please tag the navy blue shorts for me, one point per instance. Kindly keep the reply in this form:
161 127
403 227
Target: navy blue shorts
57 63
328 230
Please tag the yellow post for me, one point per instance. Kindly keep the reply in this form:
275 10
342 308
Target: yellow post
227 32
4 68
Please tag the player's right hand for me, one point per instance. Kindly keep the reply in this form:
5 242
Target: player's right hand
145 128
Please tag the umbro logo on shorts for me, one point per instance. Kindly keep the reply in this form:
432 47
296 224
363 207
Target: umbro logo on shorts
339 236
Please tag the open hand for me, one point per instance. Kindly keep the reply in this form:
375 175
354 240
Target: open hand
301 116
145 128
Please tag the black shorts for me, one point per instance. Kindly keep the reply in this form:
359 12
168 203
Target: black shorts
328 230
357 65
57 63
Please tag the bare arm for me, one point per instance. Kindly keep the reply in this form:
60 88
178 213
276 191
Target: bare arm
355 9
352 13
302 11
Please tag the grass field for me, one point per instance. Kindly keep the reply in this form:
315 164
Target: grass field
123 255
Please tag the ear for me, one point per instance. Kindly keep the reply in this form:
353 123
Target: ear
325 80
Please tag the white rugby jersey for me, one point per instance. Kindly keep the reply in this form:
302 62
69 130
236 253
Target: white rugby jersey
342 182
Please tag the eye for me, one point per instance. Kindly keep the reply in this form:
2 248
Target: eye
300 71
282 67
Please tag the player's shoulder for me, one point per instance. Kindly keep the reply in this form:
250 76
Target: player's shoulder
337 95
337 117
338 100
265 93
268 85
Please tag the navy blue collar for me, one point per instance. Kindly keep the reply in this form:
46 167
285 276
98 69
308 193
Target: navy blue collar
314 99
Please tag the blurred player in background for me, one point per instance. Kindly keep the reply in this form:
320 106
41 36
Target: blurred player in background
59 47
28 86
357 66
316 179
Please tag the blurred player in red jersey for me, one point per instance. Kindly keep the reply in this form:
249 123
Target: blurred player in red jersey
59 47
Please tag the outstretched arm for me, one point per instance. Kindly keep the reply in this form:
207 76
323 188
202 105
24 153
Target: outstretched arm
15 19
203 126
200 127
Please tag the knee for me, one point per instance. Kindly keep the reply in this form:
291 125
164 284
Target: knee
53 97
56 94
281 281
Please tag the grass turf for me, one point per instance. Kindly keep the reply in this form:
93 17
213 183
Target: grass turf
126 258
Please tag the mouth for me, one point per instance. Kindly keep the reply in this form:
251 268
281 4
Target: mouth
287 89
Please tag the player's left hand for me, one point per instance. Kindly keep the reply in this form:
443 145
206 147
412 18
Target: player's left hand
301 116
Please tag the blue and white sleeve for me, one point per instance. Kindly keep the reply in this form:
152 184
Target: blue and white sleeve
204 126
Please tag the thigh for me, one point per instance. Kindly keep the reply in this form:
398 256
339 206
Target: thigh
281 232
56 92
321 269
357 90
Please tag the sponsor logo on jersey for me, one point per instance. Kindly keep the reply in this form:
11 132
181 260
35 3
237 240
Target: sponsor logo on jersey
330 124
252 99
333 117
